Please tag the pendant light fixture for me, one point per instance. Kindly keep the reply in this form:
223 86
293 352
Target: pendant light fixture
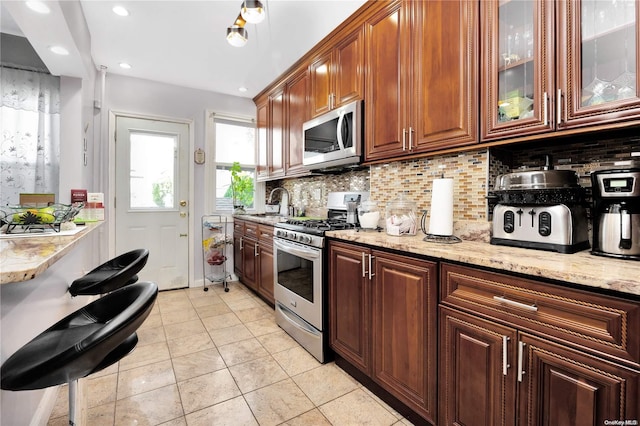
237 35
252 11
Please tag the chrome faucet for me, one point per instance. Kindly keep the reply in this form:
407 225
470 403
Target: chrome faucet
284 200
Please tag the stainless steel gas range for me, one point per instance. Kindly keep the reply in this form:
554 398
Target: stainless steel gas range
300 286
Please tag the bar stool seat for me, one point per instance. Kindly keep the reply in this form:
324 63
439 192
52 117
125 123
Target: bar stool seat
111 275
84 342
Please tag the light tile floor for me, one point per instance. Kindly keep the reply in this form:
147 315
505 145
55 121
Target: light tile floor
216 358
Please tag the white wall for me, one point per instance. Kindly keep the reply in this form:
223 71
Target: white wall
133 95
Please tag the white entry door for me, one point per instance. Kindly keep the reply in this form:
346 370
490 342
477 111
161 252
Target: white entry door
151 206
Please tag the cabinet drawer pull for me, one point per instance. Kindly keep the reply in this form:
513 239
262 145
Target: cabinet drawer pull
532 308
521 346
364 272
545 107
505 363
404 139
559 109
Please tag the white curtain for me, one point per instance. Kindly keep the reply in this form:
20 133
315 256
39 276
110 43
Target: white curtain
30 145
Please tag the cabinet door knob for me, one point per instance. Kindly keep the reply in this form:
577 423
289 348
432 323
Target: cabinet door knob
521 346
505 361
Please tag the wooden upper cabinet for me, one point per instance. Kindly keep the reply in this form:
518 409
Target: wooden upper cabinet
337 74
297 105
277 128
262 143
551 66
421 87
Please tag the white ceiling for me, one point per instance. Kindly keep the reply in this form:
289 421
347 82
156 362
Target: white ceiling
183 42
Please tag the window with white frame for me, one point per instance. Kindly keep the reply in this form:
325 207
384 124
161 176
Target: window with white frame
234 142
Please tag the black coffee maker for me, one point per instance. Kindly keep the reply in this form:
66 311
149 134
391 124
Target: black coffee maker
616 213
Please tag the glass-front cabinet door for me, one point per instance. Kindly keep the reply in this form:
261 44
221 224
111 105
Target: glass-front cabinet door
518 67
555 65
598 67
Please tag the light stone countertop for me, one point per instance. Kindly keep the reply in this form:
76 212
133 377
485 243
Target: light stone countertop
24 258
580 268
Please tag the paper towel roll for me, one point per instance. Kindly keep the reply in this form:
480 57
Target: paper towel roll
441 222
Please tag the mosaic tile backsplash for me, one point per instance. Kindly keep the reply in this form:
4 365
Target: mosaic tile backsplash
386 181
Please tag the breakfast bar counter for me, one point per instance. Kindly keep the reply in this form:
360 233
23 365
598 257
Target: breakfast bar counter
24 257
580 268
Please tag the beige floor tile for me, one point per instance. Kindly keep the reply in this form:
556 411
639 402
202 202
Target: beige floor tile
257 373
235 333
180 421
189 344
182 315
102 415
310 418
101 390
243 351
61 406
253 314
182 329
278 341
143 355
244 303
234 412
149 335
149 408
212 310
209 389
143 379
278 403
262 326
220 321
152 321
357 407
197 363
296 360
325 383
174 305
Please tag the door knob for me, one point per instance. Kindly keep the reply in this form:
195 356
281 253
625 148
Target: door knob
183 203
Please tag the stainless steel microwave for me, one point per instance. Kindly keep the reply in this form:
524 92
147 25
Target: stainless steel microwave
334 138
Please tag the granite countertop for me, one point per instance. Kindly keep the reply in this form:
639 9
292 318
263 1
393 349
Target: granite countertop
580 268
264 219
23 258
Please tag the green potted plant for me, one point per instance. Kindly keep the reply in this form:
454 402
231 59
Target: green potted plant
241 188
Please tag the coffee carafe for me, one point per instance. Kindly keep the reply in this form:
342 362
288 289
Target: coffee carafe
352 211
616 213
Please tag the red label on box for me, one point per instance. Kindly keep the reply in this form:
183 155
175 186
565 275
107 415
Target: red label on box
78 195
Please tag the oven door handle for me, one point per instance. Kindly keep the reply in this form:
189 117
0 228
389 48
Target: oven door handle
297 250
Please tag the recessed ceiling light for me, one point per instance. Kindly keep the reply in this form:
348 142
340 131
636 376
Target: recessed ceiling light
120 11
38 6
59 50
125 65
242 89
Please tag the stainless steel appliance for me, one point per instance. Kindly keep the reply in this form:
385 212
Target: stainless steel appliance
334 139
542 209
300 285
616 213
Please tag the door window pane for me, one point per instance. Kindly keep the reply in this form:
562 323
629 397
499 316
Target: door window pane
152 174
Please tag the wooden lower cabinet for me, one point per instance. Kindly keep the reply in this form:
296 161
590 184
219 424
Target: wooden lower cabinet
473 387
526 371
382 316
253 257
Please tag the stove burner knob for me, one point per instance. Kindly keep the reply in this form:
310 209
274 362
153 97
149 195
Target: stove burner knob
305 239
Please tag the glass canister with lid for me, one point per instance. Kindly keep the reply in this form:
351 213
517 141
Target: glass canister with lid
401 216
368 215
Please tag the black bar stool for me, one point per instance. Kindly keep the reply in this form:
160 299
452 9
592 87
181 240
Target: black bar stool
111 275
86 341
